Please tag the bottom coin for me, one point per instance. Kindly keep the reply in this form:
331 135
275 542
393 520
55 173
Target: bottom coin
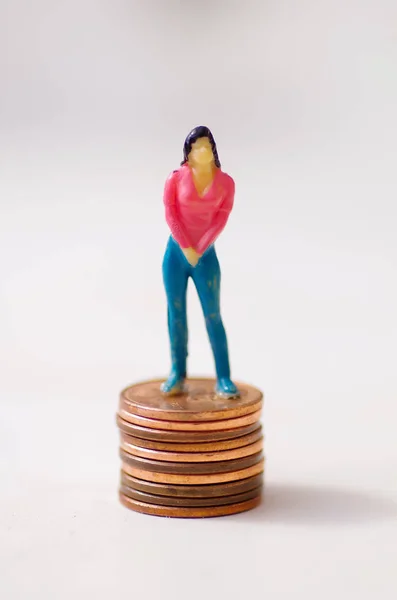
191 512
188 502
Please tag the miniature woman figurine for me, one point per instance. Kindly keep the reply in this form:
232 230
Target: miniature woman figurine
198 199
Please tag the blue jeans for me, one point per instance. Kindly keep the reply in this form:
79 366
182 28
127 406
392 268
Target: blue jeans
206 276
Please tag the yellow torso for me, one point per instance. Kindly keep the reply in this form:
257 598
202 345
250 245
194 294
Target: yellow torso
202 180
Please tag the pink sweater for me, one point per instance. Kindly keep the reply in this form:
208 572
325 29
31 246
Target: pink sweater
196 221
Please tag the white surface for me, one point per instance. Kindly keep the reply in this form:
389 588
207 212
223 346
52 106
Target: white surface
96 99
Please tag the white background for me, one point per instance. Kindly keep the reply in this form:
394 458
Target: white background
96 99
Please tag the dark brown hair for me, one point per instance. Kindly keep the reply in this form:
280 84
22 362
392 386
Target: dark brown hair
199 132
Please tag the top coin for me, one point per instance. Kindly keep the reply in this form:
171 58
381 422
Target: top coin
198 403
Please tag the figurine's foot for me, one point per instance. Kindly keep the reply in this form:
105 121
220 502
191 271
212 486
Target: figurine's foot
174 385
226 388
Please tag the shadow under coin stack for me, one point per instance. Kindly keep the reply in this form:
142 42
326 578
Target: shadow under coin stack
191 455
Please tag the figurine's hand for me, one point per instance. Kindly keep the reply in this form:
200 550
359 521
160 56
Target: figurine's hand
191 255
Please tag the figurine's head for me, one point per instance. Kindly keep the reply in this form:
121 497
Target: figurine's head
200 147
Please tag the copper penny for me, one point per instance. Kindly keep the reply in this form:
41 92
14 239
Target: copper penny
192 512
197 468
198 403
147 433
199 447
187 425
188 457
183 479
192 491
186 502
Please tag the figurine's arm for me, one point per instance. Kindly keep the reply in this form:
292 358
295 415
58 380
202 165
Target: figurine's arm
219 220
171 212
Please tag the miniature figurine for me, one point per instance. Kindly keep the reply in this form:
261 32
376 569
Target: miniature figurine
198 198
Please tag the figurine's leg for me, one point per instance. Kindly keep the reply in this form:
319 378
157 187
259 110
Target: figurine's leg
175 275
207 277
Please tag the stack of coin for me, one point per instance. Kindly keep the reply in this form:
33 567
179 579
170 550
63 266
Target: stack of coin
190 455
